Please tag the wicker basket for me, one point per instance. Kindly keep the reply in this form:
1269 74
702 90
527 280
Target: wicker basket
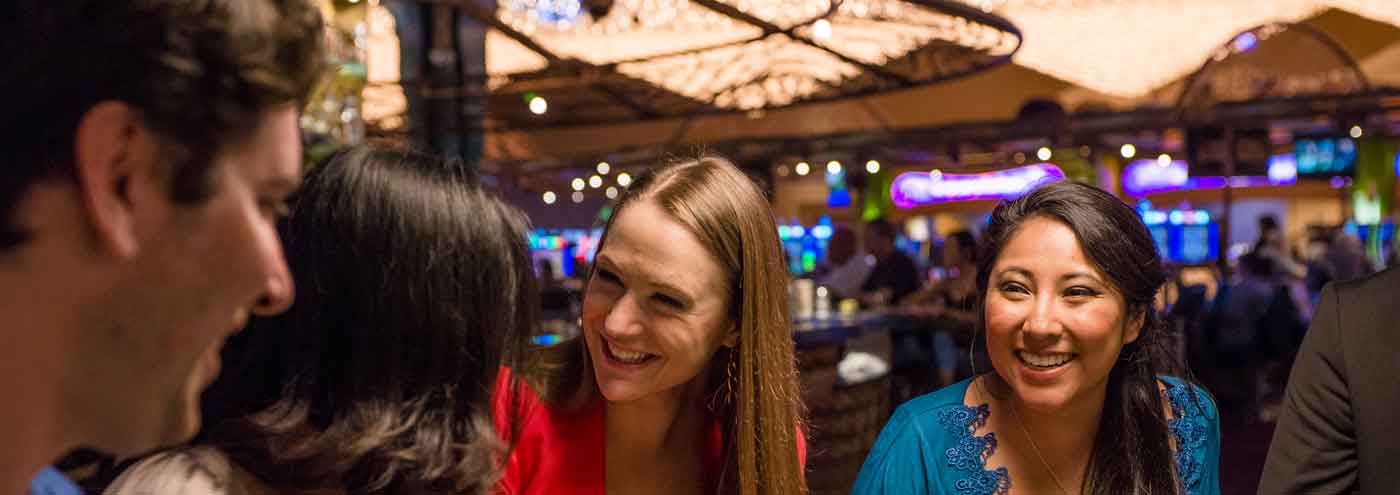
843 429
816 367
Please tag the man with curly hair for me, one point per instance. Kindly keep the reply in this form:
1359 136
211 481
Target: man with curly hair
149 147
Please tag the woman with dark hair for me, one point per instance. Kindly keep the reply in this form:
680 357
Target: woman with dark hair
1079 400
683 381
415 285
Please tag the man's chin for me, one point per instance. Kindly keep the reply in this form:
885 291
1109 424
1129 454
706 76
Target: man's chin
184 424
178 427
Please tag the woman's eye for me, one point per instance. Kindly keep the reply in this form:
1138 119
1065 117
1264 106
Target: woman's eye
1080 292
609 277
667 300
1014 288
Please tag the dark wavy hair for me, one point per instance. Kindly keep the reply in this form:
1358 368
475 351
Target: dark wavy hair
1132 452
199 74
414 286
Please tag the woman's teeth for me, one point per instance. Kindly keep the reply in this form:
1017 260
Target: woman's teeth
626 357
1050 360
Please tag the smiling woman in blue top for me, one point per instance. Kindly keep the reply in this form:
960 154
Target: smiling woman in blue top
1079 400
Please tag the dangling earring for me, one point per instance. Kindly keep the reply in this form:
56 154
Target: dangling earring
731 374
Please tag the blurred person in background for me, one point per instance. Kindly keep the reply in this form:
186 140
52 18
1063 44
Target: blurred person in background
894 275
1238 323
845 268
1273 245
1347 257
1319 267
378 379
150 147
949 308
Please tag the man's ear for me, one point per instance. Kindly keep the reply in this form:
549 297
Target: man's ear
111 148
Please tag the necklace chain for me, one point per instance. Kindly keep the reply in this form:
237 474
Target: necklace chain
1035 448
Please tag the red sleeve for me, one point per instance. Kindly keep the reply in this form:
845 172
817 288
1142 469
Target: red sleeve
500 403
801 450
513 473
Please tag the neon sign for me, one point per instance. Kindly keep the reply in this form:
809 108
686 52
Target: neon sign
1144 177
912 189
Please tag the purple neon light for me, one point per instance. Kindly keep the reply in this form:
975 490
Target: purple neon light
912 189
1145 177
1245 42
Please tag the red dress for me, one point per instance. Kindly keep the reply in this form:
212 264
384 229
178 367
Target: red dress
563 452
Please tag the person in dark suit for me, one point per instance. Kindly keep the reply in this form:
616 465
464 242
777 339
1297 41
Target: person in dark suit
1339 431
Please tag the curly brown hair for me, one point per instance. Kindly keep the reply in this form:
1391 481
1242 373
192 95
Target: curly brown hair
198 72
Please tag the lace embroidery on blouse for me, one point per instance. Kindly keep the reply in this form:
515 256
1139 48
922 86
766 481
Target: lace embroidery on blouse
969 455
1189 428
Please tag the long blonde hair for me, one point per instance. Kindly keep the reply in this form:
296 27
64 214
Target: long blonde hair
729 215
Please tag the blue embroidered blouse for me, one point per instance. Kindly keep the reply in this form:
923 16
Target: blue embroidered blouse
932 445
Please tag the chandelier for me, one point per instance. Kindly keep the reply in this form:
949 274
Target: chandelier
756 54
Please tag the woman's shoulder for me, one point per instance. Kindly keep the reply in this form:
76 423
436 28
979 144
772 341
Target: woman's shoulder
930 441
1187 399
193 471
1194 423
940 414
520 410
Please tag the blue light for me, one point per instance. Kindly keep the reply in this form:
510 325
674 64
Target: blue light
821 231
1153 217
547 339
1177 217
1283 169
784 232
839 198
1202 217
1245 42
797 231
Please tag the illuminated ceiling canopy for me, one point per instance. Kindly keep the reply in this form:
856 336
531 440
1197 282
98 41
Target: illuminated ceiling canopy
641 59
754 54
1128 48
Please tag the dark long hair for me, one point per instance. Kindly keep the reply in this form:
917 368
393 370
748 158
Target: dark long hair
414 285
1132 452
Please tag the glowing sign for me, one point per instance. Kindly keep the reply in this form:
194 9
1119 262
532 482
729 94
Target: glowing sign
917 188
1144 177
1283 169
1147 176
